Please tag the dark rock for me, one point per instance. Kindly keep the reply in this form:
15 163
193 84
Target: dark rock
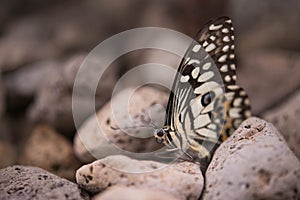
26 183
49 150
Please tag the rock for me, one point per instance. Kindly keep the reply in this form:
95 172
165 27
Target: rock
49 150
265 24
7 154
258 80
143 108
2 96
286 118
254 163
182 179
129 193
22 85
57 92
25 183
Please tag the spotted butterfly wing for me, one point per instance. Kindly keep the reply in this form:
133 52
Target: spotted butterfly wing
217 37
203 99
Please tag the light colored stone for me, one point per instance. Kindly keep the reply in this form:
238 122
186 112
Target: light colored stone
254 163
286 118
129 193
47 149
97 136
26 183
182 180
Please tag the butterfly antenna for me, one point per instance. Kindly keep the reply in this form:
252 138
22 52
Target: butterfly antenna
129 127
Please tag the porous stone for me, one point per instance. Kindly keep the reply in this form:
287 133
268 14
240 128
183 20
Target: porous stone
129 193
49 150
26 183
286 118
182 179
100 135
8 154
254 163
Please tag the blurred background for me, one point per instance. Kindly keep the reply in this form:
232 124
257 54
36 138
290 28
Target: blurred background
42 44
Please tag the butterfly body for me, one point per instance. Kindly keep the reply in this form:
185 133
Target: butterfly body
205 104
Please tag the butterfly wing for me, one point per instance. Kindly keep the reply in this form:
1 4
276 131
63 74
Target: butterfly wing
217 37
204 91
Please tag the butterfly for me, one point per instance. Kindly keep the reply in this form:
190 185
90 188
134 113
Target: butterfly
205 105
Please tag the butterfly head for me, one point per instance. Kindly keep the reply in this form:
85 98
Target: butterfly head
162 135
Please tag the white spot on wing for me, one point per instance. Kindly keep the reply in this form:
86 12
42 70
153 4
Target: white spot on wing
196 48
247 102
192 61
233 87
234 77
227 78
184 79
222 58
247 113
195 72
206 76
225 48
234 112
206 66
237 102
212 37
224 68
232 66
205 43
226 39
210 47
225 30
215 27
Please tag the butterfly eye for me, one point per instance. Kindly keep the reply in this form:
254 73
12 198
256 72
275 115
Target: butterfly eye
207 98
160 133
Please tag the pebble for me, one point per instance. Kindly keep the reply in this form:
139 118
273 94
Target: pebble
258 80
49 150
145 107
182 180
57 91
8 155
129 193
254 163
286 117
26 183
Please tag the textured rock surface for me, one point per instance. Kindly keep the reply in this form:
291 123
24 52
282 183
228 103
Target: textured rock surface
286 118
49 150
139 109
182 180
7 154
130 193
25 183
254 163
259 81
